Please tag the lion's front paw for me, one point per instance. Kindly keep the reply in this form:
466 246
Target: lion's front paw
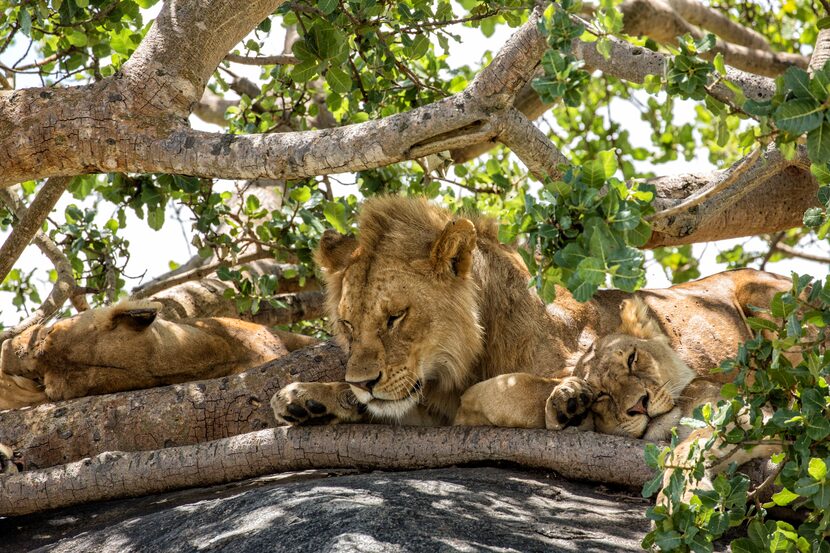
569 405
311 403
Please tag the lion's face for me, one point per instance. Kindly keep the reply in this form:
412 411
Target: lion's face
407 319
635 373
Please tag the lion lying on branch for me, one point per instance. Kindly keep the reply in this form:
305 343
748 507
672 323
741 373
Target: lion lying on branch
426 305
126 347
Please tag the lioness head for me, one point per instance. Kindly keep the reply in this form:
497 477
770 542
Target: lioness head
635 373
403 304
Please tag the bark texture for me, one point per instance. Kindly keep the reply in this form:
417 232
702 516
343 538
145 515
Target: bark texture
135 121
55 433
111 475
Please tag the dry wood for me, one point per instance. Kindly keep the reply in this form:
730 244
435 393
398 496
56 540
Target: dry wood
56 433
29 223
111 475
65 286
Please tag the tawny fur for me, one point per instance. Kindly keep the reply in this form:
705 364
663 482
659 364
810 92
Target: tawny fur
125 347
427 304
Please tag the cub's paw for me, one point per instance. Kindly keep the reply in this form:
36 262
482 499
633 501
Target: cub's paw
10 461
315 403
569 405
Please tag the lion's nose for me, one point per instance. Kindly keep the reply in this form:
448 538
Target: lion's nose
366 384
640 408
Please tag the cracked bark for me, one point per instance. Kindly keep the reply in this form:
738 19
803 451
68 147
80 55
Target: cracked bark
572 454
184 414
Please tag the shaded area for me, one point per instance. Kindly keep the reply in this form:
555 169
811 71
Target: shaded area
469 509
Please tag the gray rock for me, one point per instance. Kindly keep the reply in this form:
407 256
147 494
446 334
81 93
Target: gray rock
455 509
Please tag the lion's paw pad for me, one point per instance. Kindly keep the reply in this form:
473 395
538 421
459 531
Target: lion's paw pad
569 404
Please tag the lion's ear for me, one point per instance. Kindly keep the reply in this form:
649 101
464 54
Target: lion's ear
334 251
452 252
636 321
136 317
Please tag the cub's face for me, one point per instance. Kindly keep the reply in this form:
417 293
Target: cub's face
635 373
409 326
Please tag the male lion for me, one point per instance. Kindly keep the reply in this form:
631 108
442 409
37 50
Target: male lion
426 305
125 347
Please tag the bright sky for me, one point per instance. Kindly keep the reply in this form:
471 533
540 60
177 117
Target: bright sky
151 251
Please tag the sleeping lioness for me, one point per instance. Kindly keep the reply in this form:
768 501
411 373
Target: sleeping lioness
630 383
427 304
125 347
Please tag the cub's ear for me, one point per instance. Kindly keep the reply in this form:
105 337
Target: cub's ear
637 322
452 253
334 251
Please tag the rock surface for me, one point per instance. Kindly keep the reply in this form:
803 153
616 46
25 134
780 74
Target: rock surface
455 509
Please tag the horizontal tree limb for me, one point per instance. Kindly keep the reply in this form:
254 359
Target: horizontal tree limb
703 16
183 414
659 20
111 475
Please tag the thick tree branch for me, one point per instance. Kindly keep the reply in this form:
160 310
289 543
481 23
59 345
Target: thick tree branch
29 224
659 20
579 455
821 52
183 414
703 16
188 39
532 146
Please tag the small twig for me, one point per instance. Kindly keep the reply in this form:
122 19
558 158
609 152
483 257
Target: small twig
783 248
772 248
196 274
282 59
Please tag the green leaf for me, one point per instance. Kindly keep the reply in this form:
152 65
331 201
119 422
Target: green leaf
418 48
335 214
784 497
604 47
591 270
720 67
327 6
339 80
155 218
818 143
799 116
813 217
817 469
593 173
758 323
818 428
301 194
305 71
798 81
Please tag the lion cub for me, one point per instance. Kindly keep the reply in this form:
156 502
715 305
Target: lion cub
631 383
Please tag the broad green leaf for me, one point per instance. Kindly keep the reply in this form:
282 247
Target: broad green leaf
339 80
327 6
418 48
818 143
797 81
335 214
798 116
817 469
784 497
